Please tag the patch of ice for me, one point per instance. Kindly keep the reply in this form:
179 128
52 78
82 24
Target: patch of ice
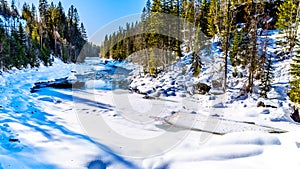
95 84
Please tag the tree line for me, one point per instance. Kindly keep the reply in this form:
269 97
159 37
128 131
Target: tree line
32 35
242 28
127 41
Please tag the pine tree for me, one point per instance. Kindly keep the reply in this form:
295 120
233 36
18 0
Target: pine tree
196 66
226 30
243 53
21 46
51 26
235 49
5 12
213 18
155 24
83 31
43 34
288 24
153 63
4 9
157 6
295 82
43 8
294 93
266 79
14 14
177 9
203 17
148 7
253 47
264 47
3 45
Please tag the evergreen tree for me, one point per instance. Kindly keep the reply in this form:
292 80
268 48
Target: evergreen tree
43 8
42 35
253 47
235 49
153 63
243 53
196 66
155 23
266 79
14 11
4 9
203 17
148 7
288 24
295 82
3 45
83 31
5 12
21 46
213 18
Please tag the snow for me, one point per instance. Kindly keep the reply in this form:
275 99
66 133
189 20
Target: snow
95 84
49 136
52 127
252 138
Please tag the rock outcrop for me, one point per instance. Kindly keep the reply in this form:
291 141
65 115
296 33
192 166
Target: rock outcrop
63 83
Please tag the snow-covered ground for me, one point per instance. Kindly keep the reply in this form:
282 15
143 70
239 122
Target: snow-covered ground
102 128
40 130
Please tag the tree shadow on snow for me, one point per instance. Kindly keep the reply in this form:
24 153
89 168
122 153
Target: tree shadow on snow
38 120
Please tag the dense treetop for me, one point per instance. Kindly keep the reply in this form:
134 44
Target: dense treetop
241 28
29 36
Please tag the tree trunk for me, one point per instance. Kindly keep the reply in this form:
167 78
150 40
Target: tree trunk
227 34
254 49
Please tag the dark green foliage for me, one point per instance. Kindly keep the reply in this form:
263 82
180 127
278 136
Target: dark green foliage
266 78
243 53
288 24
213 18
196 66
295 82
295 91
235 72
235 48
235 23
119 46
27 39
203 17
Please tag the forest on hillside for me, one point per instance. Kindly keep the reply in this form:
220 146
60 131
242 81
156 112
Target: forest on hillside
238 26
32 35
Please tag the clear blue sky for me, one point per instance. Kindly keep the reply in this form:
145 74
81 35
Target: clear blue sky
96 14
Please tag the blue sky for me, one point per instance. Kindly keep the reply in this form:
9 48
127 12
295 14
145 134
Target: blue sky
96 14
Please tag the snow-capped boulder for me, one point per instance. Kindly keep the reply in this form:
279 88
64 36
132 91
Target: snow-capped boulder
63 83
217 84
267 104
295 115
201 88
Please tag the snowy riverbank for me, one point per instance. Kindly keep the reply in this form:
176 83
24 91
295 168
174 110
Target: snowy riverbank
42 130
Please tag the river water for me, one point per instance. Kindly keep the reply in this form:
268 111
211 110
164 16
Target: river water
104 74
